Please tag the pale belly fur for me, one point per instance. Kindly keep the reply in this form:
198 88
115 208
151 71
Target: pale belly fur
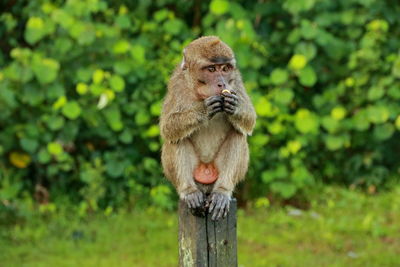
208 139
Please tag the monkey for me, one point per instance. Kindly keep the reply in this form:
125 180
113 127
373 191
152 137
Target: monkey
205 120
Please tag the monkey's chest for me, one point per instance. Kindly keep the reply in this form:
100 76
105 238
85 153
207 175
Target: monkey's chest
209 138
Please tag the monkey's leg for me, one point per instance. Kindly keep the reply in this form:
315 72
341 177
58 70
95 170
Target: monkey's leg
185 162
231 162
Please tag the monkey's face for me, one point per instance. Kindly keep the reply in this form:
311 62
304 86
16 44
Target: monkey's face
213 78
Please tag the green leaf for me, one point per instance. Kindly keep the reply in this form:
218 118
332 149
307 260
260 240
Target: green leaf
98 76
54 148
35 30
377 114
374 93
360 120
259 140
45 69
55 123
307 76
306 121
113 117
138 53
121 47
155 108
397 122
297 62
17 72
297 6
219 7
161 15
71 110
115 168
126 137
286 190
28 144
383 131
142 118
330 124
122 67
338 113
394 92
84 33
279 76
284 96
123 21
265 108
307 49
173 26
396 67
333 142
117 83
44 156
308 30
153 131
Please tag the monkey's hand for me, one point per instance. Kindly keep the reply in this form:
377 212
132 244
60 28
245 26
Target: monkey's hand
214 104
194 200
231 101
218 205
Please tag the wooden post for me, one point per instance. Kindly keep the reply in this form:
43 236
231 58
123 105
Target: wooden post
206 243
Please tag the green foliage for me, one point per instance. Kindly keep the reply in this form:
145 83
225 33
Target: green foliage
81 84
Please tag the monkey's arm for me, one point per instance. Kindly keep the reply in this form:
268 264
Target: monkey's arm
241 111
182 120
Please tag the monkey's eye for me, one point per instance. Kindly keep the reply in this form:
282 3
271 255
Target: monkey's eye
211 69
226 68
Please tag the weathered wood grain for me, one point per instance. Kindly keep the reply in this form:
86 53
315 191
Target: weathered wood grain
206 243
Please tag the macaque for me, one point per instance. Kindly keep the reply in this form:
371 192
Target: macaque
206 118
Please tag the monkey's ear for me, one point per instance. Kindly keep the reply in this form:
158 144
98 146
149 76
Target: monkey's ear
184 64
233 62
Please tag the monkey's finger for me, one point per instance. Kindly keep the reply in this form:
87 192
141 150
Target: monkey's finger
199 199
214 216
229 105
213 112
229 111
221 212
226 212
213 99
216 105
227 208
231 100
189 203
217 109
212 205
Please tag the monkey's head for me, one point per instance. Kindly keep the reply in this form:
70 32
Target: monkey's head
211 64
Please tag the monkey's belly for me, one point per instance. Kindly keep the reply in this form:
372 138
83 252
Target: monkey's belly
209 138
207 141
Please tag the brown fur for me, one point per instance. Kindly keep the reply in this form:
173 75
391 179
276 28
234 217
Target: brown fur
191 137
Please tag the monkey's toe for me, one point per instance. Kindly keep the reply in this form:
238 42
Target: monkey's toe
218 206
194 200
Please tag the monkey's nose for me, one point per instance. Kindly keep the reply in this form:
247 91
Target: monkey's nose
221 85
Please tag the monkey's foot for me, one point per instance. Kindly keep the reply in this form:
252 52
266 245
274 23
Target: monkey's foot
218 205
194 200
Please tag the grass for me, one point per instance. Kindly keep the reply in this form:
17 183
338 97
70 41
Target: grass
342 228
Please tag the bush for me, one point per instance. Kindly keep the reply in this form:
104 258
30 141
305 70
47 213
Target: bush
82 83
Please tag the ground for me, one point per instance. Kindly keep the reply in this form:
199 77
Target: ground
342 228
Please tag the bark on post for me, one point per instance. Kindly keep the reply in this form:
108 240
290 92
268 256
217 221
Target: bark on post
206 243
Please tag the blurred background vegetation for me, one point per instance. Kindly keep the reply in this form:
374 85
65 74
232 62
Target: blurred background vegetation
82 82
